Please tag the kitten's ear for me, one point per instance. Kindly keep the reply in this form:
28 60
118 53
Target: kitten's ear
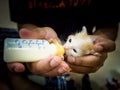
28 34
94 29
70 36
84 30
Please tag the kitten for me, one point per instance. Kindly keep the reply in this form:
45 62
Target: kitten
79 44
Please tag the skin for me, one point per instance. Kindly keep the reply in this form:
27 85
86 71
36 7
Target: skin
53 66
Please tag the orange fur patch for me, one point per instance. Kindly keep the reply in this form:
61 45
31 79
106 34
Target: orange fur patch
87 47
81 35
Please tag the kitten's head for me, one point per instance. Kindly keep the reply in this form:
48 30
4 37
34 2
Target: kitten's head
77 44
71 46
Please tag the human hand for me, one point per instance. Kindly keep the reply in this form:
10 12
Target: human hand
52 66
91 63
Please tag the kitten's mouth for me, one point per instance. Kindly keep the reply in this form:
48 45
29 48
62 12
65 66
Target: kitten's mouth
65 48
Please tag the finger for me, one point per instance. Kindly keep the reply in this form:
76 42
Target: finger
16 67
62 69
83 69
88 61
105 46
91 60
44 66
50 33
98 48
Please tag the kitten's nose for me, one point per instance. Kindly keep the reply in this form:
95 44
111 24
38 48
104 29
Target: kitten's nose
66 48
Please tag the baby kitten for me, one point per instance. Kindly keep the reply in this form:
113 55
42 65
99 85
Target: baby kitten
79 44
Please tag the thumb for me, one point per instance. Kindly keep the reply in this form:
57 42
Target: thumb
107 46
98 48
103 44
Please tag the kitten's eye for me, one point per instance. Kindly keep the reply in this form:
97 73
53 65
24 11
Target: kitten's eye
70 40
75 50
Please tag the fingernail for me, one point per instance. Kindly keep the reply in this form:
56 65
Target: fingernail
16 69
71 59
64 70
61 70
54 62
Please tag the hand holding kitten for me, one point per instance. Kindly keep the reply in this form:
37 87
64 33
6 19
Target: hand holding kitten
88 60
